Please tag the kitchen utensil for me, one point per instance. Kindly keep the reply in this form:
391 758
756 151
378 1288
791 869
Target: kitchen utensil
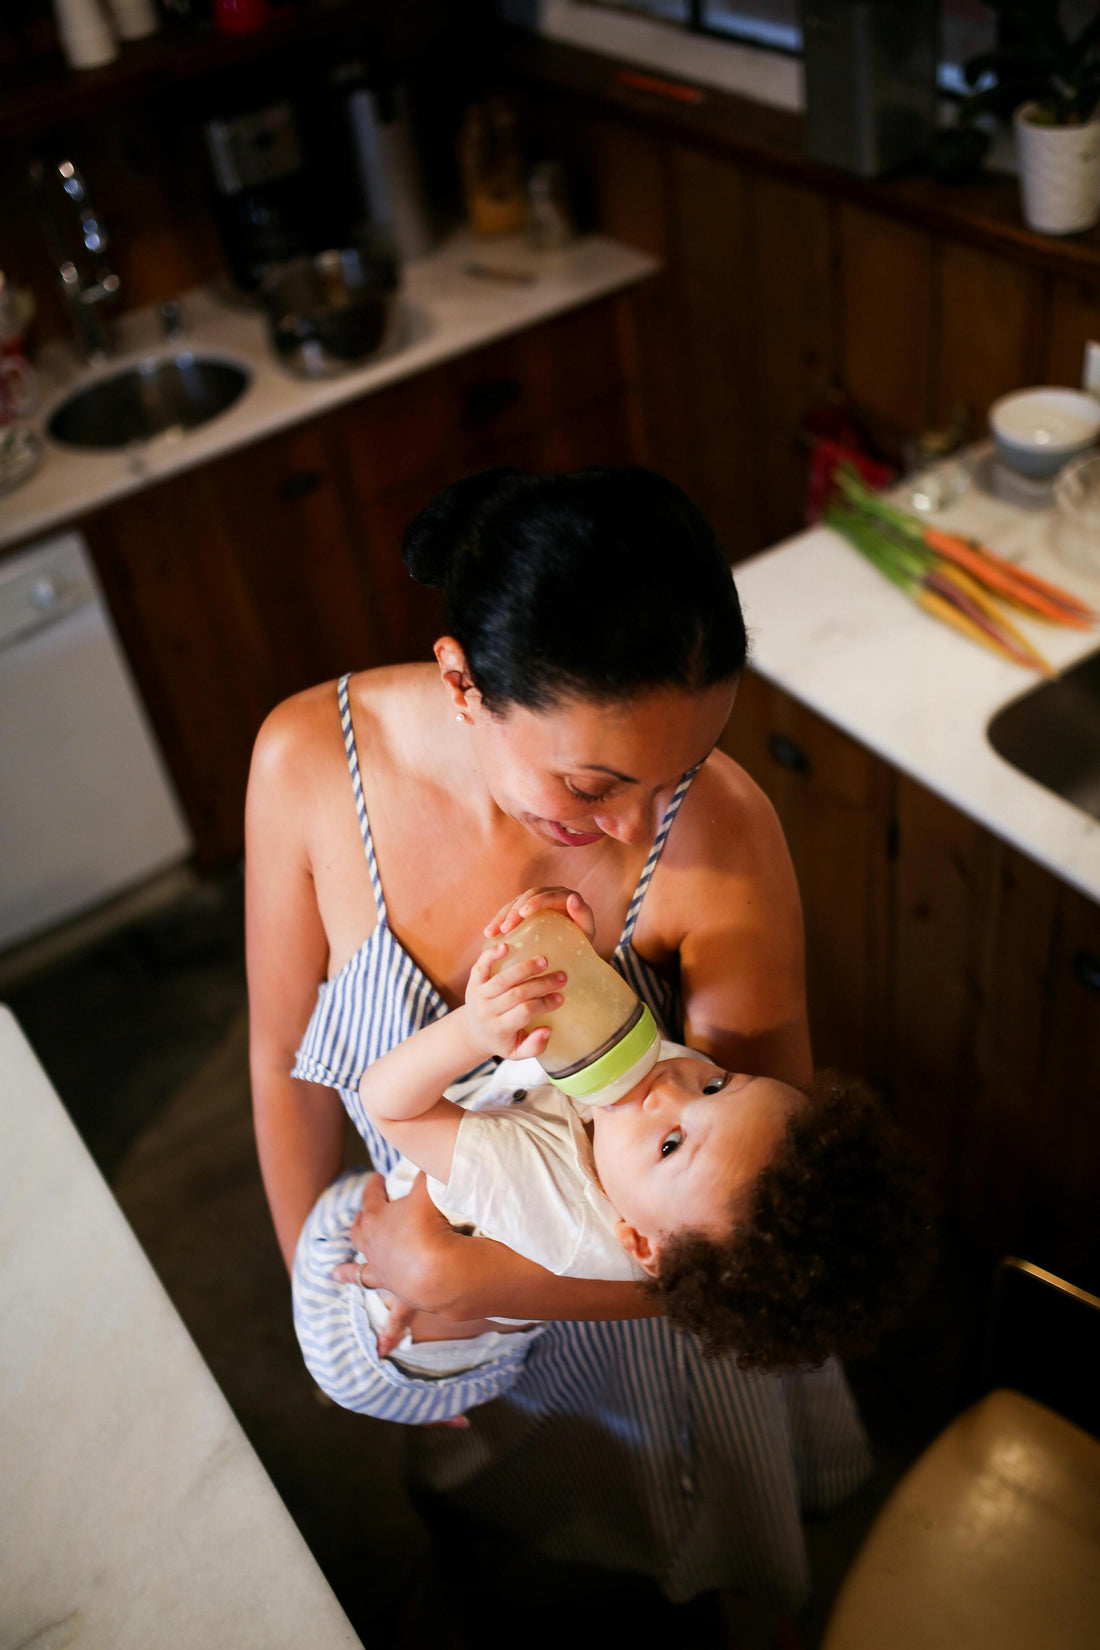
328 313
1077 496
1039 430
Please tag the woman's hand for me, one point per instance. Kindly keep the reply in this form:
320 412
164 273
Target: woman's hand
501 1006
542 899
406 1244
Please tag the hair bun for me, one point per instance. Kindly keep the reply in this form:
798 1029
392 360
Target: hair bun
430 540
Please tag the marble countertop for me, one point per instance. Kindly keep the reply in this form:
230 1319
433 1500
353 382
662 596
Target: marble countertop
828 629
443 312
133 1508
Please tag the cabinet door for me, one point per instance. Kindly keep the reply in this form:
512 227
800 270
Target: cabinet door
234 586
997 1037
196 642
834 802
1066 1139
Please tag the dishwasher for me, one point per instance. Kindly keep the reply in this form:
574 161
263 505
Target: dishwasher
86 807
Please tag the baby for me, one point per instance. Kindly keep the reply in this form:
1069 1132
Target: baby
780 1224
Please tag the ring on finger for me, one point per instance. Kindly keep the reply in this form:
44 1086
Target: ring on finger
359 1273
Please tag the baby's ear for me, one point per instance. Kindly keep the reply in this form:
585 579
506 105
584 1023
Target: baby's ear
637 1246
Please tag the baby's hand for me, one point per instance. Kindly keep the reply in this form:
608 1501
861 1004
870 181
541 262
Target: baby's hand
501 1006
542 899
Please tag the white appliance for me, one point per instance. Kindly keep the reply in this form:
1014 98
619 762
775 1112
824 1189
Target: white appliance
86 808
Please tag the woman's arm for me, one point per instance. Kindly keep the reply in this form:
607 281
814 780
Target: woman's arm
413 1252
402 1089
727 900
299 1126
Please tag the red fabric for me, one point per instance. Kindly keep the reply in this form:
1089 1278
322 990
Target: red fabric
826 457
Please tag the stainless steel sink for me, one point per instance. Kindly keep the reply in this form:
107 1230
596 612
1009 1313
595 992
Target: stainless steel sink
163 393
1053 735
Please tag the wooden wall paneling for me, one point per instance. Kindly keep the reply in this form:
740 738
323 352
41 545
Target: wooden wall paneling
600 433
633 201
413 615
887 320
990 331
578 356
189 625
284 508
834 801
792 248
1001 1180
1074 321
401 432
1068 1100
946 878
712 220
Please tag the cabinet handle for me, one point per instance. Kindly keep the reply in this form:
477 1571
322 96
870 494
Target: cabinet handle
787 754
485 402
1086 966
299 485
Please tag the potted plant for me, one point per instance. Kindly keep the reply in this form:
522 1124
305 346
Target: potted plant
1048 80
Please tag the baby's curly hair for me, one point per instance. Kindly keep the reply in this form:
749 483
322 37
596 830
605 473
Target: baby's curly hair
830 1243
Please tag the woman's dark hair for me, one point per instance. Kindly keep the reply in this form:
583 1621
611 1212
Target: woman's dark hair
597 583
832 1243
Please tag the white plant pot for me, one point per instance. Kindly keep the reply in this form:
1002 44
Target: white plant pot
1059 174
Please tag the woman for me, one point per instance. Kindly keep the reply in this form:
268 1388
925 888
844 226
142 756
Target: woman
564 738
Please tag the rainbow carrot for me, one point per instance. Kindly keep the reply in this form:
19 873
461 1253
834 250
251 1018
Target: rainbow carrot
1007 584
941 609
983 614
1026 591
1041 587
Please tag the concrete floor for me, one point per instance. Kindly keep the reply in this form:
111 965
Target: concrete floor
144 1033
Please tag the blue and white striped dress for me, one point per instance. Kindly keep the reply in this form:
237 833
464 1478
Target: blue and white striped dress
613 1443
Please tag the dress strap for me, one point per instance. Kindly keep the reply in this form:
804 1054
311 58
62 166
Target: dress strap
357 792
655 853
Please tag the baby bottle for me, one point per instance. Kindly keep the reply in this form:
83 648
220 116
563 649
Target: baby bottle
603 1040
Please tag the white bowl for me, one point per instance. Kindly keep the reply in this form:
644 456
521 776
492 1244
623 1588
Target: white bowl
1037 431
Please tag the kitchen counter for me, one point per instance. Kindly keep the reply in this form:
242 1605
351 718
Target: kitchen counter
831 631
443 312
134 1510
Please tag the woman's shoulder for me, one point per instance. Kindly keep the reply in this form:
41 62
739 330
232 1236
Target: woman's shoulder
303 734
726 822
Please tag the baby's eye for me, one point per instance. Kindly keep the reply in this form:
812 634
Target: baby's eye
671 1142
714 1085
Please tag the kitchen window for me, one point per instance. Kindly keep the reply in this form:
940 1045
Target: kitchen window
967 26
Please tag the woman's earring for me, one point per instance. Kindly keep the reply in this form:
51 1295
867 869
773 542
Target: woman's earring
461 716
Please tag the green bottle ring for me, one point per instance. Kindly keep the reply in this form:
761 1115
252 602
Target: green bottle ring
614 1063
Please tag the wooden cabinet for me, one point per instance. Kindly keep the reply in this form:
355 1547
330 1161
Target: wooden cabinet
252 577
954 973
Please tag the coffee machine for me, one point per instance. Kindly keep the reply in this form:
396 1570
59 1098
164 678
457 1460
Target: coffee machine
262 206
332 165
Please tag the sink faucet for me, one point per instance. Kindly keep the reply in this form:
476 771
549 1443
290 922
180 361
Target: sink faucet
83 275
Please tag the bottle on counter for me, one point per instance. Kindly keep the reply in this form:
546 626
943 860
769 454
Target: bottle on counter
134 19
603 1040
87 38
491 164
